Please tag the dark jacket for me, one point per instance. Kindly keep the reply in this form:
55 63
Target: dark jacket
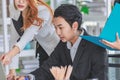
90 62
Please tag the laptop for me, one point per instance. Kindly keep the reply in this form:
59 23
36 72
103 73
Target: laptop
2 72
112 26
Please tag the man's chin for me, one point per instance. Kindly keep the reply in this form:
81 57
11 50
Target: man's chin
64 40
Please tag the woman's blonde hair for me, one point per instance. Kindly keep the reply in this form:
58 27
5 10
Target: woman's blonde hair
31 17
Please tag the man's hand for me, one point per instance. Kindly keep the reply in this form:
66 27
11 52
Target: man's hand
61 73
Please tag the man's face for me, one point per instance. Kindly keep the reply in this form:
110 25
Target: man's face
63 29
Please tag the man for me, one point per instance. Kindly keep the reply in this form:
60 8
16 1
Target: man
88 60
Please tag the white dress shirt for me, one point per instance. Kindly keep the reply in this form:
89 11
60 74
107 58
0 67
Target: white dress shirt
73 49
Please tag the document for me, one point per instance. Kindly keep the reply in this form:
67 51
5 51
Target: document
111 27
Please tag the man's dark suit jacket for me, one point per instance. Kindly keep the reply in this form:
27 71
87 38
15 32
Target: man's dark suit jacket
90 62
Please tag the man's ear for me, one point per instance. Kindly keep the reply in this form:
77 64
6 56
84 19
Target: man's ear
75 25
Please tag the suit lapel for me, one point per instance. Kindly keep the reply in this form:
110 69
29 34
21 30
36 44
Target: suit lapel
80 50
68 57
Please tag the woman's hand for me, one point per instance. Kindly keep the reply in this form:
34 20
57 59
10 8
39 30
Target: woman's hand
115 45
61 73
5 58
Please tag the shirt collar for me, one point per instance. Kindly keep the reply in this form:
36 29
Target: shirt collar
75 45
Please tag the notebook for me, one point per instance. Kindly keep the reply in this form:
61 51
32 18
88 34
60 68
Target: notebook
2 73
111 27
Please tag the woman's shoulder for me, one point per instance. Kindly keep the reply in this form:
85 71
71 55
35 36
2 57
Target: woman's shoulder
42 7
44 12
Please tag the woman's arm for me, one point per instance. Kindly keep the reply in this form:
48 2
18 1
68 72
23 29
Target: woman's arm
19 46
50 39
6 57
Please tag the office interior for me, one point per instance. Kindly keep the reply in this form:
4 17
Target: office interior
95 14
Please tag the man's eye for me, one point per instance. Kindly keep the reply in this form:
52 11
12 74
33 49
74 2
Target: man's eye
60 28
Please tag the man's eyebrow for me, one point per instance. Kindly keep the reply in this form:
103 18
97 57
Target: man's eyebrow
59 25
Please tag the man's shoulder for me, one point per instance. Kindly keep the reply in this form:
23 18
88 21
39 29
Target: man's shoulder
61 45
95 47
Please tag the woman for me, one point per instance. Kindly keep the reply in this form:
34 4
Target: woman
34 21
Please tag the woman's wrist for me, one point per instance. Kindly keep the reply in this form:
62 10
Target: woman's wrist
15 50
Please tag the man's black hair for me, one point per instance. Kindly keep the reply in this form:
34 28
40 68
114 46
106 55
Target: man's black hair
70 13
